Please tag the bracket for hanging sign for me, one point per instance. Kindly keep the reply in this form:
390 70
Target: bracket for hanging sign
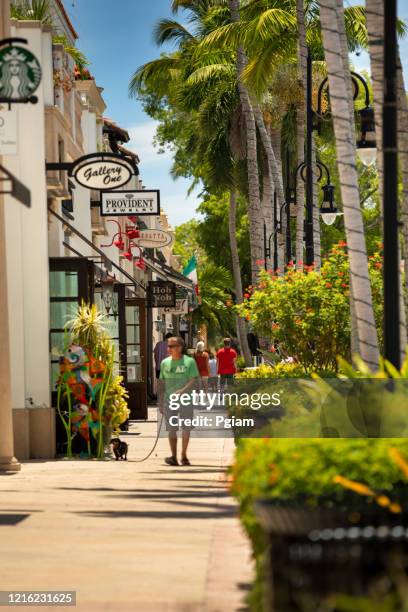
20 73
100 171
16 188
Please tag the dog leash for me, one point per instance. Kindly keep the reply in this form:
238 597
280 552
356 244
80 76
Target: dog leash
154 445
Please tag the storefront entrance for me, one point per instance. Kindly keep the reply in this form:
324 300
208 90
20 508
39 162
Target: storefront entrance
73 280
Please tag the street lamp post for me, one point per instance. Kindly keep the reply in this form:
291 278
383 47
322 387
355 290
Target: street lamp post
328 210
390 191
268 239
288 228
309 169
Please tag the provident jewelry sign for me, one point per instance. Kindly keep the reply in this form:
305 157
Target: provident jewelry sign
116 203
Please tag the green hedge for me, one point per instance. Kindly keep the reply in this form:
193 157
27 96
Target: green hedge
302 472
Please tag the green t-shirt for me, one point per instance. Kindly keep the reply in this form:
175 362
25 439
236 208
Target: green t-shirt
177 373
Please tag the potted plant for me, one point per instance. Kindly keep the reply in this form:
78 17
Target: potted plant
324 516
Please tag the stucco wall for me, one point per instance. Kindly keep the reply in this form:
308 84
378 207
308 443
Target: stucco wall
27 246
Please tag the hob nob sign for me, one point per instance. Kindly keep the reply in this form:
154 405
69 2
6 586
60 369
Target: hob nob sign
140 202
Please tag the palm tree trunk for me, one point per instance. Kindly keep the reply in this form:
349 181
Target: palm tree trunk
254 207
301 111
354 344
343 122
236 270
375 27
267 207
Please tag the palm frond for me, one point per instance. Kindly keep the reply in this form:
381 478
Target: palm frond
157 72
274 22
208 73
167 30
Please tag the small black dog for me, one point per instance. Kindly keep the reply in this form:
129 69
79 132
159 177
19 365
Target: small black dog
120 448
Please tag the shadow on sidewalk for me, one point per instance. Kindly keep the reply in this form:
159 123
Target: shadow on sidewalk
163 494
159 514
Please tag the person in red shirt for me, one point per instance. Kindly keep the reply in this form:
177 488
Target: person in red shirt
226 364
202 361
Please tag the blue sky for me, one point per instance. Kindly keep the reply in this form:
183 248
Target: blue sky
117 37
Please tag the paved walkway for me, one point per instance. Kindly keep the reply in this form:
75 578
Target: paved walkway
127 536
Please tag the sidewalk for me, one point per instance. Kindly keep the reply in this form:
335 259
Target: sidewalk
126 535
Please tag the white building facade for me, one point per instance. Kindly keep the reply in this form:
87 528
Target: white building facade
61 251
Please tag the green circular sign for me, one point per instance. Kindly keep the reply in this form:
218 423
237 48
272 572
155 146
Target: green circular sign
20 73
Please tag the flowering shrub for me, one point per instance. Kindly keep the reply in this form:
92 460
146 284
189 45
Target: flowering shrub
81 73
307 312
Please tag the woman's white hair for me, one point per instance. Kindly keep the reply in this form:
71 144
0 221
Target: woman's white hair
200 346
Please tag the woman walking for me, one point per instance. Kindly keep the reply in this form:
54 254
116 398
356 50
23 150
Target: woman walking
202 361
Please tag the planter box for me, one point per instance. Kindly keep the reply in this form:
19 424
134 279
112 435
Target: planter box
318 552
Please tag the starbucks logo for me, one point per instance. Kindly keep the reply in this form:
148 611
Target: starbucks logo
20 73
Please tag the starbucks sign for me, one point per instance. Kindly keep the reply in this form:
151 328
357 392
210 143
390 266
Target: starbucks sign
20 73
102 171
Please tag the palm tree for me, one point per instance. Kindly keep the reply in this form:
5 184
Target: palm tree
203 92
375 27
300 127
215 285
332 24
268 31
239 294
254 202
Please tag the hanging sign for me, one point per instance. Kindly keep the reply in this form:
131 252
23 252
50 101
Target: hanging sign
20 73
8 132
180 308
161 294
98 171
130 203
153 239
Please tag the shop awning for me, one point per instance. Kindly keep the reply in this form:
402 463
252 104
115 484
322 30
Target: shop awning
176 277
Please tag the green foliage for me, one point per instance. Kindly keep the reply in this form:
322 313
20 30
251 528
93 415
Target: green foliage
304 471
186 243
215 284
116 407
37 10
77 55
213 233
308 313
280 370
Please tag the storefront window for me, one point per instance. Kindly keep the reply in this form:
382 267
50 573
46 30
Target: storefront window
64 284
133 348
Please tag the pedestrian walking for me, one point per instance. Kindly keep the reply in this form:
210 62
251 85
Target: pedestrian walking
202 360
178 375
226 358
213 378
160 352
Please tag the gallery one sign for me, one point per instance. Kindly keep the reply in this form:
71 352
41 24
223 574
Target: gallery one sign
130 203
102 172
153 238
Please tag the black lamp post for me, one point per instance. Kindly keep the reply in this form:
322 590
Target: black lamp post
390 191
309 238
328 210
366 144
268 239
